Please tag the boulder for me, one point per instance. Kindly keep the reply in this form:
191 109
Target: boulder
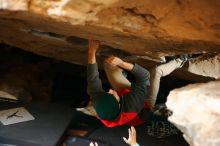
196 112
143 29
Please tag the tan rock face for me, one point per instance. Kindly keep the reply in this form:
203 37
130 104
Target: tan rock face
136 30
14 5
196 112
206 66
142 28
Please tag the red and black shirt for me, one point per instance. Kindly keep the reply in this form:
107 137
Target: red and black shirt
133 107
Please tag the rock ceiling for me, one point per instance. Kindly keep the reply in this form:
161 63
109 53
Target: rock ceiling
143 29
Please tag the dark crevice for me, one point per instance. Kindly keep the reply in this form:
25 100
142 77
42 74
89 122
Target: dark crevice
149 18
49 35
216 26
133 11
36 78
181 2
76 40
107 51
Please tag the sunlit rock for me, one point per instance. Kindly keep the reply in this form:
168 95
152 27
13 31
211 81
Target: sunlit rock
206 66
146 29
14 5
196 112
141 31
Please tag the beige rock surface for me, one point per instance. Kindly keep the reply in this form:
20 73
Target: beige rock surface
196 112
142 28
7 95
206 66
136 30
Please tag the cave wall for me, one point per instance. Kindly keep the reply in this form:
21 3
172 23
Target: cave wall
143 28
141 31
25 76
29 77
196 112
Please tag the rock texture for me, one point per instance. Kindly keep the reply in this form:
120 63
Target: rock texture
25 77
141 28
196 112
207 65
136 30
26 82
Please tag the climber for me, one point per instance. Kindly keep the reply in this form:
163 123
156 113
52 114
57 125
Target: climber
126 103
